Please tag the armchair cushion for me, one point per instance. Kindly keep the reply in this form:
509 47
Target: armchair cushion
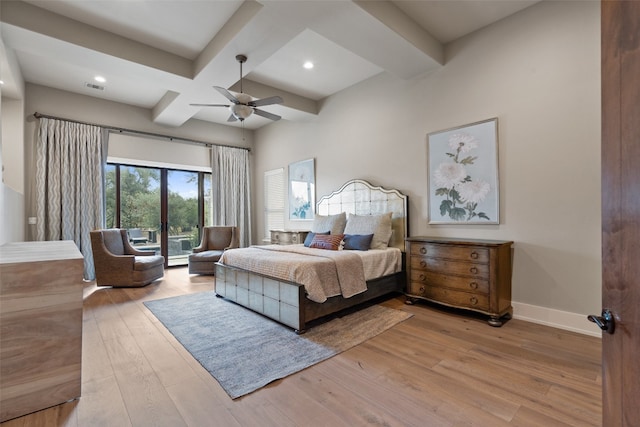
212 255
142 263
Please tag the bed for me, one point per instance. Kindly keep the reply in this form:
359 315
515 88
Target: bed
257 287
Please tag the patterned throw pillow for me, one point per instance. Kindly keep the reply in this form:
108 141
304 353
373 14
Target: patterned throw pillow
310 236
327 241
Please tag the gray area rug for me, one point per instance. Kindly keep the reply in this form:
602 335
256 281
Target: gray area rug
245 351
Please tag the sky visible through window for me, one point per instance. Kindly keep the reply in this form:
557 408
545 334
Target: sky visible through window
184 183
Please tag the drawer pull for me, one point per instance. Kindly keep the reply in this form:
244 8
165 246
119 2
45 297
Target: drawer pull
423 250
422 277
473 285
423 264
473 300
421 290
474 270
474 255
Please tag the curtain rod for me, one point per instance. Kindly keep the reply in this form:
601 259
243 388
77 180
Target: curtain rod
139 132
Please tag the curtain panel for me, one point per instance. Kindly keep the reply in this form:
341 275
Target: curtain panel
231 190
70 160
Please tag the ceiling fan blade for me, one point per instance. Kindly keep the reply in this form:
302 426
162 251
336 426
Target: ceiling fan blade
227 94
266 114
209 105
266 101
232 118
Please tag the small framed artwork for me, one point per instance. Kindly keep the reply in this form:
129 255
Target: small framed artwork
463 174
302 190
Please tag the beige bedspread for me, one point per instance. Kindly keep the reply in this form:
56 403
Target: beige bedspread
323 273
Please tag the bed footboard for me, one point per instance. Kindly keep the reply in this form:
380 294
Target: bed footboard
279 300
285 302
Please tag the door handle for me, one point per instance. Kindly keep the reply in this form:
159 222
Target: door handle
604 322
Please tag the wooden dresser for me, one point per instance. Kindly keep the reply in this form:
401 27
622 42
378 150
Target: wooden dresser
288 237
41 318
463 273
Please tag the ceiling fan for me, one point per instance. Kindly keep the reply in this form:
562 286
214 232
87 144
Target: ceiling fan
244 105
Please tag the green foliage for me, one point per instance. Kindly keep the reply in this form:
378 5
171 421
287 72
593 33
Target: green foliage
140 202
468 160
457 214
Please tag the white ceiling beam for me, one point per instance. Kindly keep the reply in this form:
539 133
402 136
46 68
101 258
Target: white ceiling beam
393 17
42 21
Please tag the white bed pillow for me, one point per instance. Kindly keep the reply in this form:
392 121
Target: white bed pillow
332 223
378 225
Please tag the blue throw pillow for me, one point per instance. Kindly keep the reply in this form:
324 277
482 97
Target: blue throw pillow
310 236
357 242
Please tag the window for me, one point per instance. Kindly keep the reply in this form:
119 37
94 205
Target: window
273 201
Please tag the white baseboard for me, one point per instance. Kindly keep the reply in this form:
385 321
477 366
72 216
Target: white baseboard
555 318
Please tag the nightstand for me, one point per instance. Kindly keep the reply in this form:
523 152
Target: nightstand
288 237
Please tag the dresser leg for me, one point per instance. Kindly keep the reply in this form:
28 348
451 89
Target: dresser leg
495 321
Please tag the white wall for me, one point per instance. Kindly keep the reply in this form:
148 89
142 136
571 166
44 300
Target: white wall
12 217
539 73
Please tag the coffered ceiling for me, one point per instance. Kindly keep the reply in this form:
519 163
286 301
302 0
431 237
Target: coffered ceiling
166 54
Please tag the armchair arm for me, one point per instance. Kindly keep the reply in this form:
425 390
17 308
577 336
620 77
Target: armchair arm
130 250
235 239
203 242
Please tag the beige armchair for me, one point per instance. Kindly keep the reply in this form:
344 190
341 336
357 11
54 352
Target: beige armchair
215 240
119 264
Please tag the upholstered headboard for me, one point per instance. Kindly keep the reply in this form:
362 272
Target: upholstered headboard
361 198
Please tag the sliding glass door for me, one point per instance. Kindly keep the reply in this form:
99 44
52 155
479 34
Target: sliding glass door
182 215
163 210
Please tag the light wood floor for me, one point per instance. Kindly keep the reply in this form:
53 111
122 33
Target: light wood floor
439 368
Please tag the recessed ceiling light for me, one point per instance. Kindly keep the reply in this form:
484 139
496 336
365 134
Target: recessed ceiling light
100 79
308 65
1 82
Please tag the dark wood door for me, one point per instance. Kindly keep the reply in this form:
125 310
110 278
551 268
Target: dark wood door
621 210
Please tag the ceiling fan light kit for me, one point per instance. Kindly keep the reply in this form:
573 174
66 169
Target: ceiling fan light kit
240 111
243 105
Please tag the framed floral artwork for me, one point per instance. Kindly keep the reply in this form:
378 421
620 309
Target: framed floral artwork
463 174
302 190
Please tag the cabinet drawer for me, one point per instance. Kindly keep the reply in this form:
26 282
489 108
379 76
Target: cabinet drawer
465 253
280 237
449 296
450 267
468 284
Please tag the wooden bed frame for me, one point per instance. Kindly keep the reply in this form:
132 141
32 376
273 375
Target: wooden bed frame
286 302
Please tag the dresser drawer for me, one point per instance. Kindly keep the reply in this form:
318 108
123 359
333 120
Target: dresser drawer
464 253
468 284
440 265
449 296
